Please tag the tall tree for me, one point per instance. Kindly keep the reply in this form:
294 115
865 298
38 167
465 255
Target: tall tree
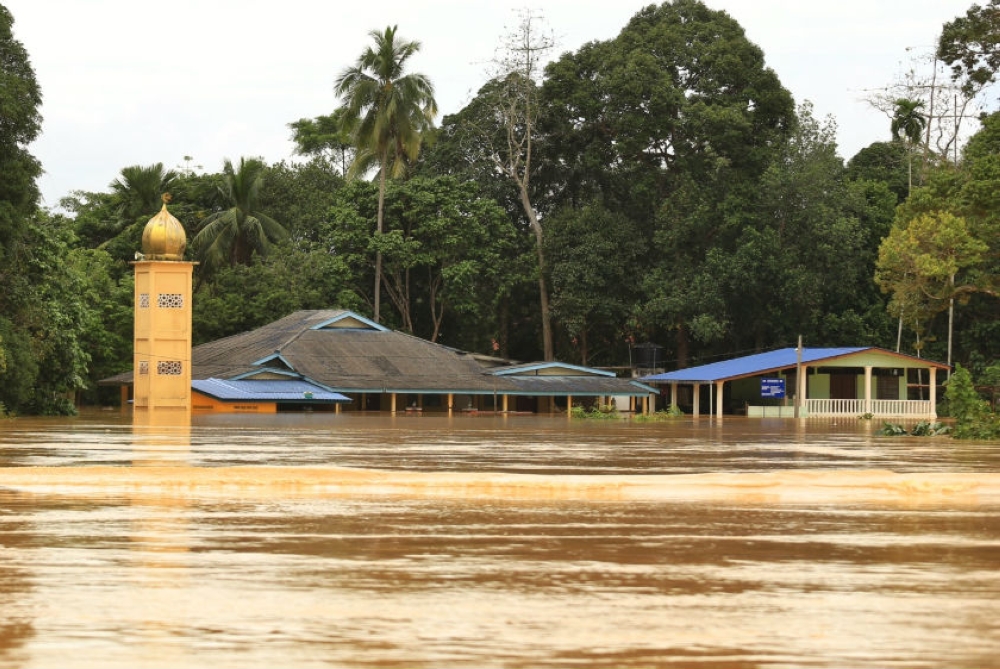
390 111
20 123
970 191
931 261
673 122
26 337
231 236
515 105
908 123
970 44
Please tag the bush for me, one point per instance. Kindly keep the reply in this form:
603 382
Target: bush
670 413
922 429
603 412
972 414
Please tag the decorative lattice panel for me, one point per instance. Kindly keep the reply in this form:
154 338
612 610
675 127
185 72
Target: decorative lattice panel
169 368
144 367
144 300
170 301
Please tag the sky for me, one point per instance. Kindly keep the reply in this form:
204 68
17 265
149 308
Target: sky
191 83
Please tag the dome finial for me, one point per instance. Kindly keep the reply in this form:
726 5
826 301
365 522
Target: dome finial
163 237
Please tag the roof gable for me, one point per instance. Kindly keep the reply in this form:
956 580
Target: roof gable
349 321
549 369
265 374
276 362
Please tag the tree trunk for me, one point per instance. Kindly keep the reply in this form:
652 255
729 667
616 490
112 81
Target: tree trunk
951 318
682 346
543 293
437 314
377 297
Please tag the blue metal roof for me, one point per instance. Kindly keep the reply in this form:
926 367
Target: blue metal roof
293 390
752 365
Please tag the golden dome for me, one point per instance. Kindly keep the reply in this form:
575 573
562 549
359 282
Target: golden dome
164 237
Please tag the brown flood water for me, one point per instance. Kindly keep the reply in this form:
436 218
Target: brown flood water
483 541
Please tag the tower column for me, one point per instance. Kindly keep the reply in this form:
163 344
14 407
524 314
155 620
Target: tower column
162 345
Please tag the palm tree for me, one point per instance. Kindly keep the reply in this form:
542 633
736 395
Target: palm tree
908 124
138 191
233 235
389 111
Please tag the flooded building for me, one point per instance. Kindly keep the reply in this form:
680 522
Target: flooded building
849 381
338 360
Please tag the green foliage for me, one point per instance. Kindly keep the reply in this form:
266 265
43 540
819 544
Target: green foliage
388 111
591 293
964 403
106 325
233 235
927 429
973 417
883 162
244 297
138 192
300 195
892 430
595 412
970 192
908 120
684 200
970 44
670 413
40 309
673 123
928 262
921 429
328 137
20 122
45 311
446 249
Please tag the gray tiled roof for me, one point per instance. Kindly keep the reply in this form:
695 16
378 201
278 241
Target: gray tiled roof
374 359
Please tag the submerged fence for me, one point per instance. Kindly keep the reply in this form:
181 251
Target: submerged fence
886 408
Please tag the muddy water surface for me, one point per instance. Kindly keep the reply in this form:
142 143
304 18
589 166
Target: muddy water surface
481 541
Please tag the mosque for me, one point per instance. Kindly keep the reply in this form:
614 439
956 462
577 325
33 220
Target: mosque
326 360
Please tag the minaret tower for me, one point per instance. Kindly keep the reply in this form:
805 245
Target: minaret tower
162 352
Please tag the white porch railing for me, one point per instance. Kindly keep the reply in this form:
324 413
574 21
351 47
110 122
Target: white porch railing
879 408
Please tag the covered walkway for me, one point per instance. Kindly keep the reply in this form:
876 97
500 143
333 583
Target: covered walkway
812 382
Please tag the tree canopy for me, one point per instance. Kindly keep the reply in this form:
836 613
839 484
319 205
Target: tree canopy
684 197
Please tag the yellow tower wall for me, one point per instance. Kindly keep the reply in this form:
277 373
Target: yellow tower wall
162 352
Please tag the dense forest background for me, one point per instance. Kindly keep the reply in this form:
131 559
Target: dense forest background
661 186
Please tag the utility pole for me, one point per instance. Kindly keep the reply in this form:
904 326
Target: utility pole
798 380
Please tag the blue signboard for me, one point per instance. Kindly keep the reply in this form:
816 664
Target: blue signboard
773 388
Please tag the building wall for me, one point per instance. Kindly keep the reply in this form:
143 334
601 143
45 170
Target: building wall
162 347
204 404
